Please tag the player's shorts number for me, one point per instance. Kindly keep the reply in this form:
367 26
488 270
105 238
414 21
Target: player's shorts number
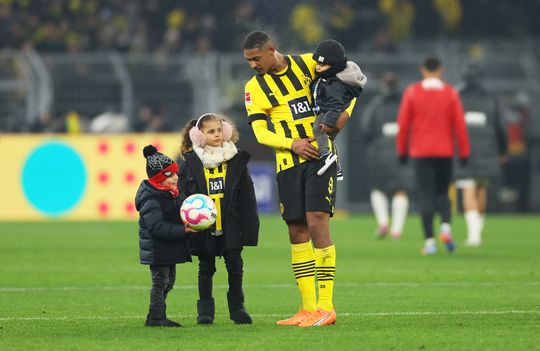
331 185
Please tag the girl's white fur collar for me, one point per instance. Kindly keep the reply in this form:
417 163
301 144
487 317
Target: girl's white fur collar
213 156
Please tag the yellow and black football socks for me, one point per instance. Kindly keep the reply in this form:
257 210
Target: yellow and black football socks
325 260
303 263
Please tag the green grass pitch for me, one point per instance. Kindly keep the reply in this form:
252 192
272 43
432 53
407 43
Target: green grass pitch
79 286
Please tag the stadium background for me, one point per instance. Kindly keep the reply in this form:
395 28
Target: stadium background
79 75
85 84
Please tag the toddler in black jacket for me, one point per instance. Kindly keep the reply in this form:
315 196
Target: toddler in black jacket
162 236
337 82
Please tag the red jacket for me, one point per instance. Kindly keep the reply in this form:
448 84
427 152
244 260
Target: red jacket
430 119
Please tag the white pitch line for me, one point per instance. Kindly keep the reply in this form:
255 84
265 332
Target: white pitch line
273 286
345 314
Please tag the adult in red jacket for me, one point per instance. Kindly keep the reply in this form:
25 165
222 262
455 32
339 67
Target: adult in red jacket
430 120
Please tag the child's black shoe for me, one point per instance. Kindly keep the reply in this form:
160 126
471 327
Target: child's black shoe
237 311
161 323
158 318
205 311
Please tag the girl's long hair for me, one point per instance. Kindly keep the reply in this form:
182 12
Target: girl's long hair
186 144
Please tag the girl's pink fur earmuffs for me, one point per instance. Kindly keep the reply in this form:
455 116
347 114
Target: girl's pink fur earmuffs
198 138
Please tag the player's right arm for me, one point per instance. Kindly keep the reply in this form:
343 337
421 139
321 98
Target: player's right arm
268 138
257 109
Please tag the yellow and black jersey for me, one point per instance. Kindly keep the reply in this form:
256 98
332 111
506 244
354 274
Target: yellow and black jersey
286 99
215 181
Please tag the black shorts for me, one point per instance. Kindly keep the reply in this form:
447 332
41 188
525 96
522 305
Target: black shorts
301 190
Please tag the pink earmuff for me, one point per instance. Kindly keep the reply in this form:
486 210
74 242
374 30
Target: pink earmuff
198 138
227 130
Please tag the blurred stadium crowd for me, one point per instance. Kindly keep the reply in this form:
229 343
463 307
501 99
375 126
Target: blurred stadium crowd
185 26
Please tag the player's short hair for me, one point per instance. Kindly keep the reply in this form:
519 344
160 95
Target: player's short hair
256 40
432 63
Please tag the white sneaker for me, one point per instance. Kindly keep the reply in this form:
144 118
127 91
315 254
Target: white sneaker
328 160
339 174
472 243
429 250
429 247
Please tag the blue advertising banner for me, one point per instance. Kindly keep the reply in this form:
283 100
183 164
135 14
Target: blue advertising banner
264 180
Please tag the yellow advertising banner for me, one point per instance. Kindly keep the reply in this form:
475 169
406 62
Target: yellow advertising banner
75 177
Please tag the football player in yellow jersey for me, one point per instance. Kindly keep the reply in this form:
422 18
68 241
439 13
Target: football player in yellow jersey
280 93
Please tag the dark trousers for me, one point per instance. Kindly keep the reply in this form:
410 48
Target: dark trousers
207 268
433 176
163 278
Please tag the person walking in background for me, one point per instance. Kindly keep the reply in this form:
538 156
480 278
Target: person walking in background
162 236
280 92
488 149
337 82
215 167
388 176
430 119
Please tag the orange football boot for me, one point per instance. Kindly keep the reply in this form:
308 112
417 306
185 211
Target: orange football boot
296 319
319 317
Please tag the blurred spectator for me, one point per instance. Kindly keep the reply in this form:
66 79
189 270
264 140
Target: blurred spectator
42 124
341 19
517 170
305 23
152 119
73 123
451 13
488 148
388 178
144 116
401 14
159 122
109 122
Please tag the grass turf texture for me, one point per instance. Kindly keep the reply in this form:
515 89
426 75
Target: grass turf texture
80 286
